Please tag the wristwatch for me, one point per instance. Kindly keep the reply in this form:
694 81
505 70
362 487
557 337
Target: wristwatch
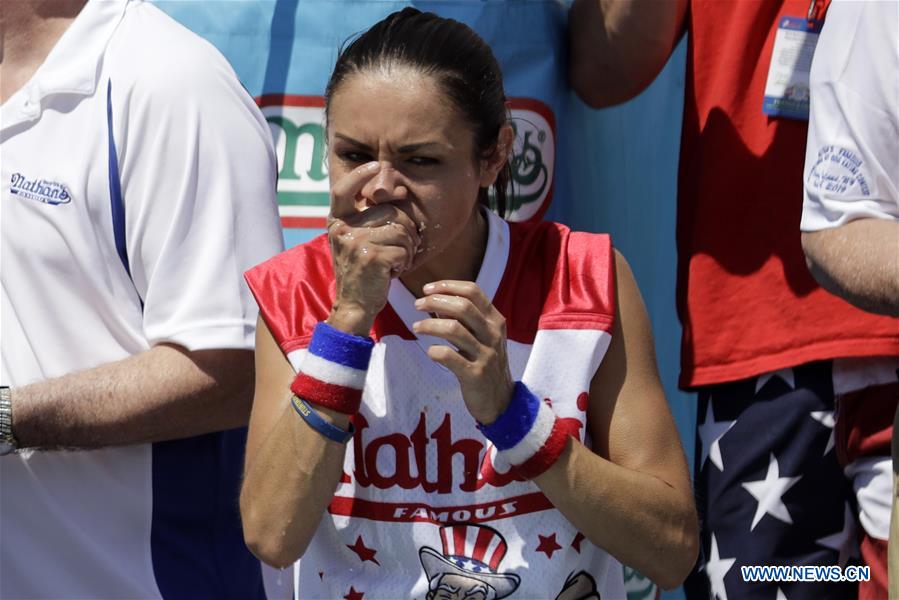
8 442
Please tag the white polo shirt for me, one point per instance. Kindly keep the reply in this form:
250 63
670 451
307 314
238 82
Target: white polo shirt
852 156
196 178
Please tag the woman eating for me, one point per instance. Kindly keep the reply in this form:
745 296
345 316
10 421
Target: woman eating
448 405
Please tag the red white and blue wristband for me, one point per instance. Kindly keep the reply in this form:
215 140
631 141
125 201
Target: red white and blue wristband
528 434
333 371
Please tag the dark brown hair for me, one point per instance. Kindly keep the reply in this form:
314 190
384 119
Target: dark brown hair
452 52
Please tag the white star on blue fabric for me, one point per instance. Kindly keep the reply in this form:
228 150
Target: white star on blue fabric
710 433
769 494
826 418
716 568
467 565
844 540
786 376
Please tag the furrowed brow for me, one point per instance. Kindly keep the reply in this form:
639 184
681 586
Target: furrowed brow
409 148
356 143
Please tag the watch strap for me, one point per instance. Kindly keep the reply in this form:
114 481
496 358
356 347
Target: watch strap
7 440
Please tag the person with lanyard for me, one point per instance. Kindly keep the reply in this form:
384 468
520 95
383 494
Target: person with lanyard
767 349
448 404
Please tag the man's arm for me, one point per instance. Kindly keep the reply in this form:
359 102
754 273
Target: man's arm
850 213
859 262
164 393
617 47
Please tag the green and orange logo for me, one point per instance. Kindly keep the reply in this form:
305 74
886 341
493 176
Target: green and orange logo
297 126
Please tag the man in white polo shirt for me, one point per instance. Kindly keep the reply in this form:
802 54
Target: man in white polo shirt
138 183
850 218
850 228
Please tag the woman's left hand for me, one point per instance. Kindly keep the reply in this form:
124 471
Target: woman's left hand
467 320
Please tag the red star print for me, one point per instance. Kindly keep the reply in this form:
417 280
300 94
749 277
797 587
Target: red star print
583 400
363 552
548 545
576 542
353 594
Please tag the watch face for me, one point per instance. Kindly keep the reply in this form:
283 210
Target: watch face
6 448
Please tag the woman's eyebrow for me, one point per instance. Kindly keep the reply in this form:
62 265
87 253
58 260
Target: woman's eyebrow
350 140
404 149
417 146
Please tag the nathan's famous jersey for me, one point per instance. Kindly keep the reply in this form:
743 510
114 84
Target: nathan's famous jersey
426 508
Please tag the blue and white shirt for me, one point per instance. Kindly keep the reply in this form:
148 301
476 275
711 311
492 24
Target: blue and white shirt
191 207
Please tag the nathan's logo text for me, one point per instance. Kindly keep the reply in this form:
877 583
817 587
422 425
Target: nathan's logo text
297 127
42 190
406 461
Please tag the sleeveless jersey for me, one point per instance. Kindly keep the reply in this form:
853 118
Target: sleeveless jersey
425 502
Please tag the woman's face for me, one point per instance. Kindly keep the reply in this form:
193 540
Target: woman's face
403 120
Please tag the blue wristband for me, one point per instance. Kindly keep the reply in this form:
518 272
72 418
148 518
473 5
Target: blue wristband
340 347
516 421
528 434
316 422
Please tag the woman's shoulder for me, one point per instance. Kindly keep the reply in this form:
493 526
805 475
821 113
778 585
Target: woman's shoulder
294 290
555 247
558 238
294 264
555 276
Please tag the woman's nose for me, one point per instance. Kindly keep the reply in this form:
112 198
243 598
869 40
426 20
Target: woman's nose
388 185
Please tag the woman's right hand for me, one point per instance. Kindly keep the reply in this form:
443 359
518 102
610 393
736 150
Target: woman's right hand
371 242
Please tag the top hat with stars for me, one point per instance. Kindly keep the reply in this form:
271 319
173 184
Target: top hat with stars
472 551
